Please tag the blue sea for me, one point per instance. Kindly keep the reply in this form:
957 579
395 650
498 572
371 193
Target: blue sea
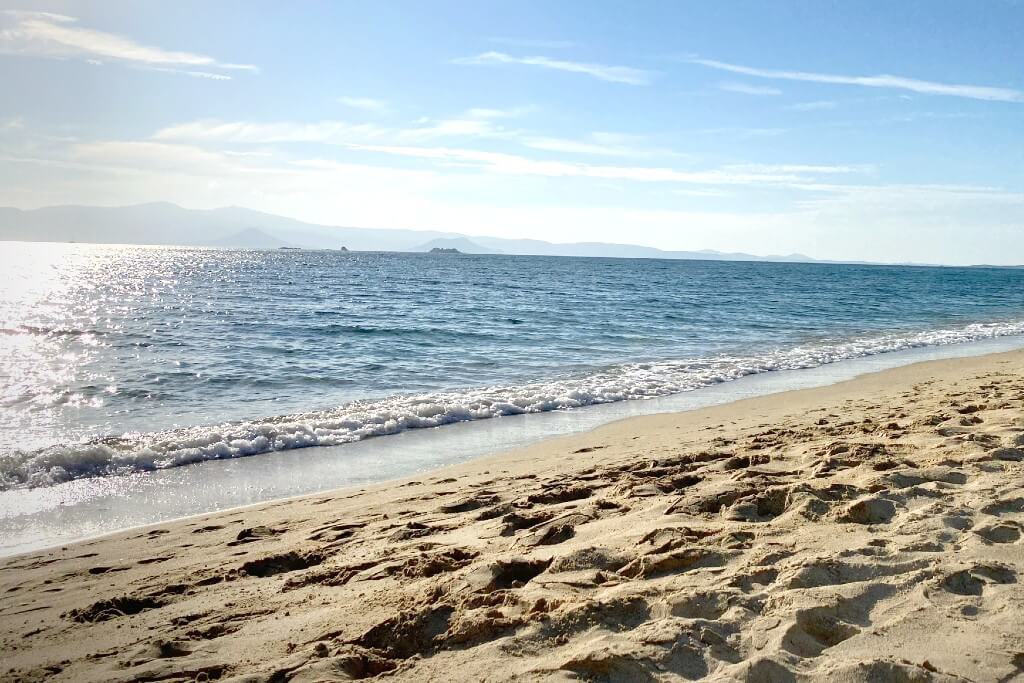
120 360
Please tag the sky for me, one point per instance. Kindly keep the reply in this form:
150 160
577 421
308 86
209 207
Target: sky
856 130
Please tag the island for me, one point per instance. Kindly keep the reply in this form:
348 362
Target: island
444 250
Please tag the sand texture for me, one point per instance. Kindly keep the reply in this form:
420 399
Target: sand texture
867 531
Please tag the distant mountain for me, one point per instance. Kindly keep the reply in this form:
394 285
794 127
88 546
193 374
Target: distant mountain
463 245
166 223
250 238
605 249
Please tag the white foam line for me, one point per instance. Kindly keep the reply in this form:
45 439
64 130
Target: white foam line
368 418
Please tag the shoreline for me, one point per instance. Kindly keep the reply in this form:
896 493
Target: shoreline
650 545
110 504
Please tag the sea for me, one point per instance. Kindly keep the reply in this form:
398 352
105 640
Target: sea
139 384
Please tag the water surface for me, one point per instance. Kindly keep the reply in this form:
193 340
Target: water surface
117 360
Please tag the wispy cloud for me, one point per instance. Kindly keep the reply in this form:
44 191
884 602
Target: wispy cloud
212 130
747 89
977 92
614 74
44 34
812 169
568 146
364 103
816 105
491 113
150 155
475 123
189 72
512 164
600 144
471 125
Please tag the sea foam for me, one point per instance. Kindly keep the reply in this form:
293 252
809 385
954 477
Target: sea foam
358 420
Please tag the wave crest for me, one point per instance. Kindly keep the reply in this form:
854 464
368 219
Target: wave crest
378 417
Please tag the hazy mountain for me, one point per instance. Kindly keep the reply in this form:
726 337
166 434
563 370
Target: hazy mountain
165 223
250 238
463 244
541 248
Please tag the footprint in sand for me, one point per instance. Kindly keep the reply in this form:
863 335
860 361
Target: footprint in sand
1001 532
973 580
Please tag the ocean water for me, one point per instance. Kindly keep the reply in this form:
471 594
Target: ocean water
120 360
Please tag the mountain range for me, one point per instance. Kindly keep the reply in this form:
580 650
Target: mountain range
234 227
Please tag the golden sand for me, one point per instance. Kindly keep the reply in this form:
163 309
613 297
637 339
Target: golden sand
866 531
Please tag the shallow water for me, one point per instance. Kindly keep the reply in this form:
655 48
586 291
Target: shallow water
33 518
120 360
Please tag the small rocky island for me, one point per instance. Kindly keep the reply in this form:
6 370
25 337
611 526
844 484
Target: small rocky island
444 250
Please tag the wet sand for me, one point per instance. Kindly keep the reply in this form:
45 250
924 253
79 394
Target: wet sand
869 530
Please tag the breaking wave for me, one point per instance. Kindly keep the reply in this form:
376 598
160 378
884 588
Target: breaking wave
132 453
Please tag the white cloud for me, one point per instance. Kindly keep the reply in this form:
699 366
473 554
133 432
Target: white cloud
458 127
489 113
211 130
151 155
903 199
800 168
512 164
364 103
599 144
474 123
977 92
477 122
43 34
614 74
577 147
747 89
195 74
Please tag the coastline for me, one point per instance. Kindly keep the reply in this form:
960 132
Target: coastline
41 518
819 533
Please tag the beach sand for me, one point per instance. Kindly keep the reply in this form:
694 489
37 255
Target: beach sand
866 531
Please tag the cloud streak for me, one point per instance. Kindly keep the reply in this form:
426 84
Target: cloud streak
56 36
747 89
211 130
473 124
603 72
976 92
512 164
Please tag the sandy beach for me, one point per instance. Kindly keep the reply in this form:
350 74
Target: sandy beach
866 531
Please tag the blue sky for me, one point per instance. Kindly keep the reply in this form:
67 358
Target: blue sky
854 130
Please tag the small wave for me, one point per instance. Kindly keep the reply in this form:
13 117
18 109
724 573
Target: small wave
36 331
384 331
378 417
